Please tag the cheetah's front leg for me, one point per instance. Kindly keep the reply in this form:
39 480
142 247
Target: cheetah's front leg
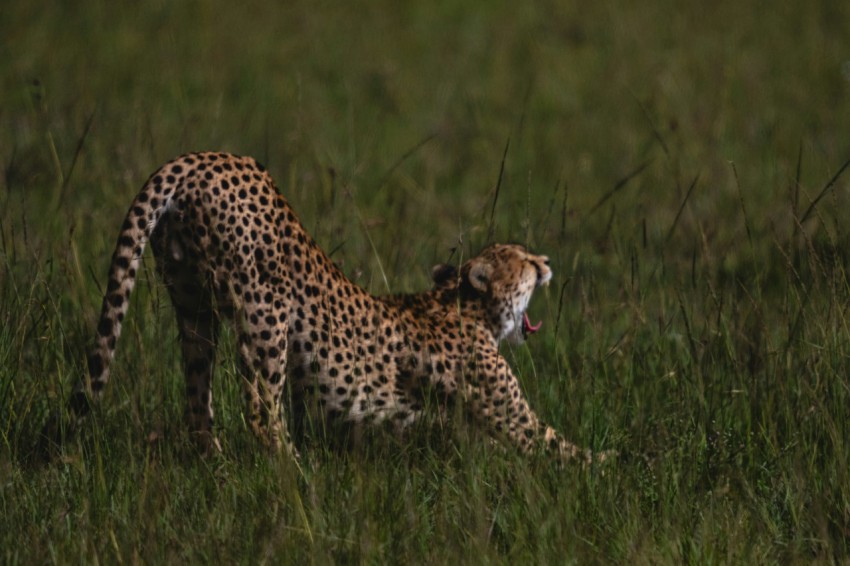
497 401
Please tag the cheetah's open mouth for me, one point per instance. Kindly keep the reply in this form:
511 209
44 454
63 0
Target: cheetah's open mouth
527 328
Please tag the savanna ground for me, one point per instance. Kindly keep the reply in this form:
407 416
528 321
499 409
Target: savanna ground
681 166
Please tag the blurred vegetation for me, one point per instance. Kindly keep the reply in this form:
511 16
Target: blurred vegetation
683 165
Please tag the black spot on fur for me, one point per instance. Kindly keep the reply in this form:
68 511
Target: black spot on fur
105 326
95 365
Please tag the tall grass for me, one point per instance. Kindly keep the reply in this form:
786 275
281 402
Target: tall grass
681 166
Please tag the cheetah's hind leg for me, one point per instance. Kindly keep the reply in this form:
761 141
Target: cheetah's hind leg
263 366
198 324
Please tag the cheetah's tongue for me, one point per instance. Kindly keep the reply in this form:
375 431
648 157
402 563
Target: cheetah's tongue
528 327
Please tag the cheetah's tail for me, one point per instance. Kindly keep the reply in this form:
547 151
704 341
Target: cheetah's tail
149 206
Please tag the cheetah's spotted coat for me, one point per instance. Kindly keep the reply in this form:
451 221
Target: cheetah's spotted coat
228 245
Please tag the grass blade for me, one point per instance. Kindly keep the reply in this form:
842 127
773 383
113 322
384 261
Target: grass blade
823 192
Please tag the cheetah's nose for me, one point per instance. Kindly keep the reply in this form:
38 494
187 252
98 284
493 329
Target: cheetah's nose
544 274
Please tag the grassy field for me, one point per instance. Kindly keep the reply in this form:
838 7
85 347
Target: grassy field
681 166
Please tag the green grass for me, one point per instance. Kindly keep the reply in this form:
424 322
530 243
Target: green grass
699 320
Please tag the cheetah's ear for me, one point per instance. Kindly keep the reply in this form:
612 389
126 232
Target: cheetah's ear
479 273
442 274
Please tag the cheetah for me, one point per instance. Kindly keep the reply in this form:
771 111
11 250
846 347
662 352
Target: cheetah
228 246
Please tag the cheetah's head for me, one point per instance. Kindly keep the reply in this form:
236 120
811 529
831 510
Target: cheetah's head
503 277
